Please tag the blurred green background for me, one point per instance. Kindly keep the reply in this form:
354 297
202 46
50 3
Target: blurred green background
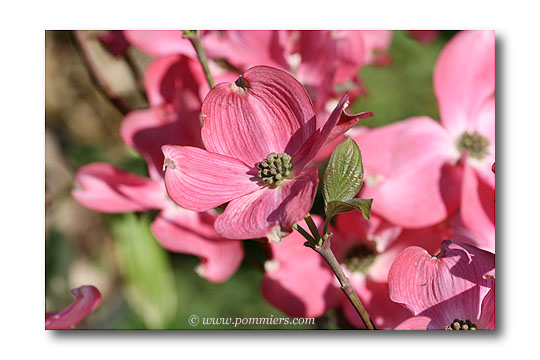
142 285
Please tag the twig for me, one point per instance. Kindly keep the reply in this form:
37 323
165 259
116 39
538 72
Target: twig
96 73
194 36
326 252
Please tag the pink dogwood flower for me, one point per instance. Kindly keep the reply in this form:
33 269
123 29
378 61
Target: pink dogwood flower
454 290
87 299
298 281
175 86
421 171
259 133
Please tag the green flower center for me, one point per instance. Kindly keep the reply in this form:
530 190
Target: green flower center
359 258
474 144
275 168
461 325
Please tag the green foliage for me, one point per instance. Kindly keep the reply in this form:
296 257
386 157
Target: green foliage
343 180
405 87
336 207
343 175
148 280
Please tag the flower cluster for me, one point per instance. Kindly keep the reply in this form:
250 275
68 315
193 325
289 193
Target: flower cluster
239 161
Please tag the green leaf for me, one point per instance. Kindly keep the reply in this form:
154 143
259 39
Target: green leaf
148 279
343 176
336 207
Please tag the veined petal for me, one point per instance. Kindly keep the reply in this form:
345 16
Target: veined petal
297 281
464 78
478 206
87 299
269 111
406 172
188 232
323 135
159 43
102 187
269 212
199 180
414 323
443 287
148 130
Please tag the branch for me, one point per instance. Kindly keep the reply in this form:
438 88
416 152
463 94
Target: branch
96 73
326 252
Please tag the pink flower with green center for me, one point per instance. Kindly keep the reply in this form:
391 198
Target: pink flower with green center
260 134
434 168
454 290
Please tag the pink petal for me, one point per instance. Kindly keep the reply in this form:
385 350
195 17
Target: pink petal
384 313
148 130
87 300
353 228
443 287
176 80
102 187
478 206
247 48
376 43
274 114
188 232
485 126
297 281
323 49
159 43
269 212
464 78
414 323
487 318
405 172
199 180
327 133
428 238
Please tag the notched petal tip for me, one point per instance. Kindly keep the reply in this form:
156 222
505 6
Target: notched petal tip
240 86
276 234
168 163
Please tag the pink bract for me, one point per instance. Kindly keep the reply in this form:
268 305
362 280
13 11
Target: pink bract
175 86
87 299
458 283
421 171
266 111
